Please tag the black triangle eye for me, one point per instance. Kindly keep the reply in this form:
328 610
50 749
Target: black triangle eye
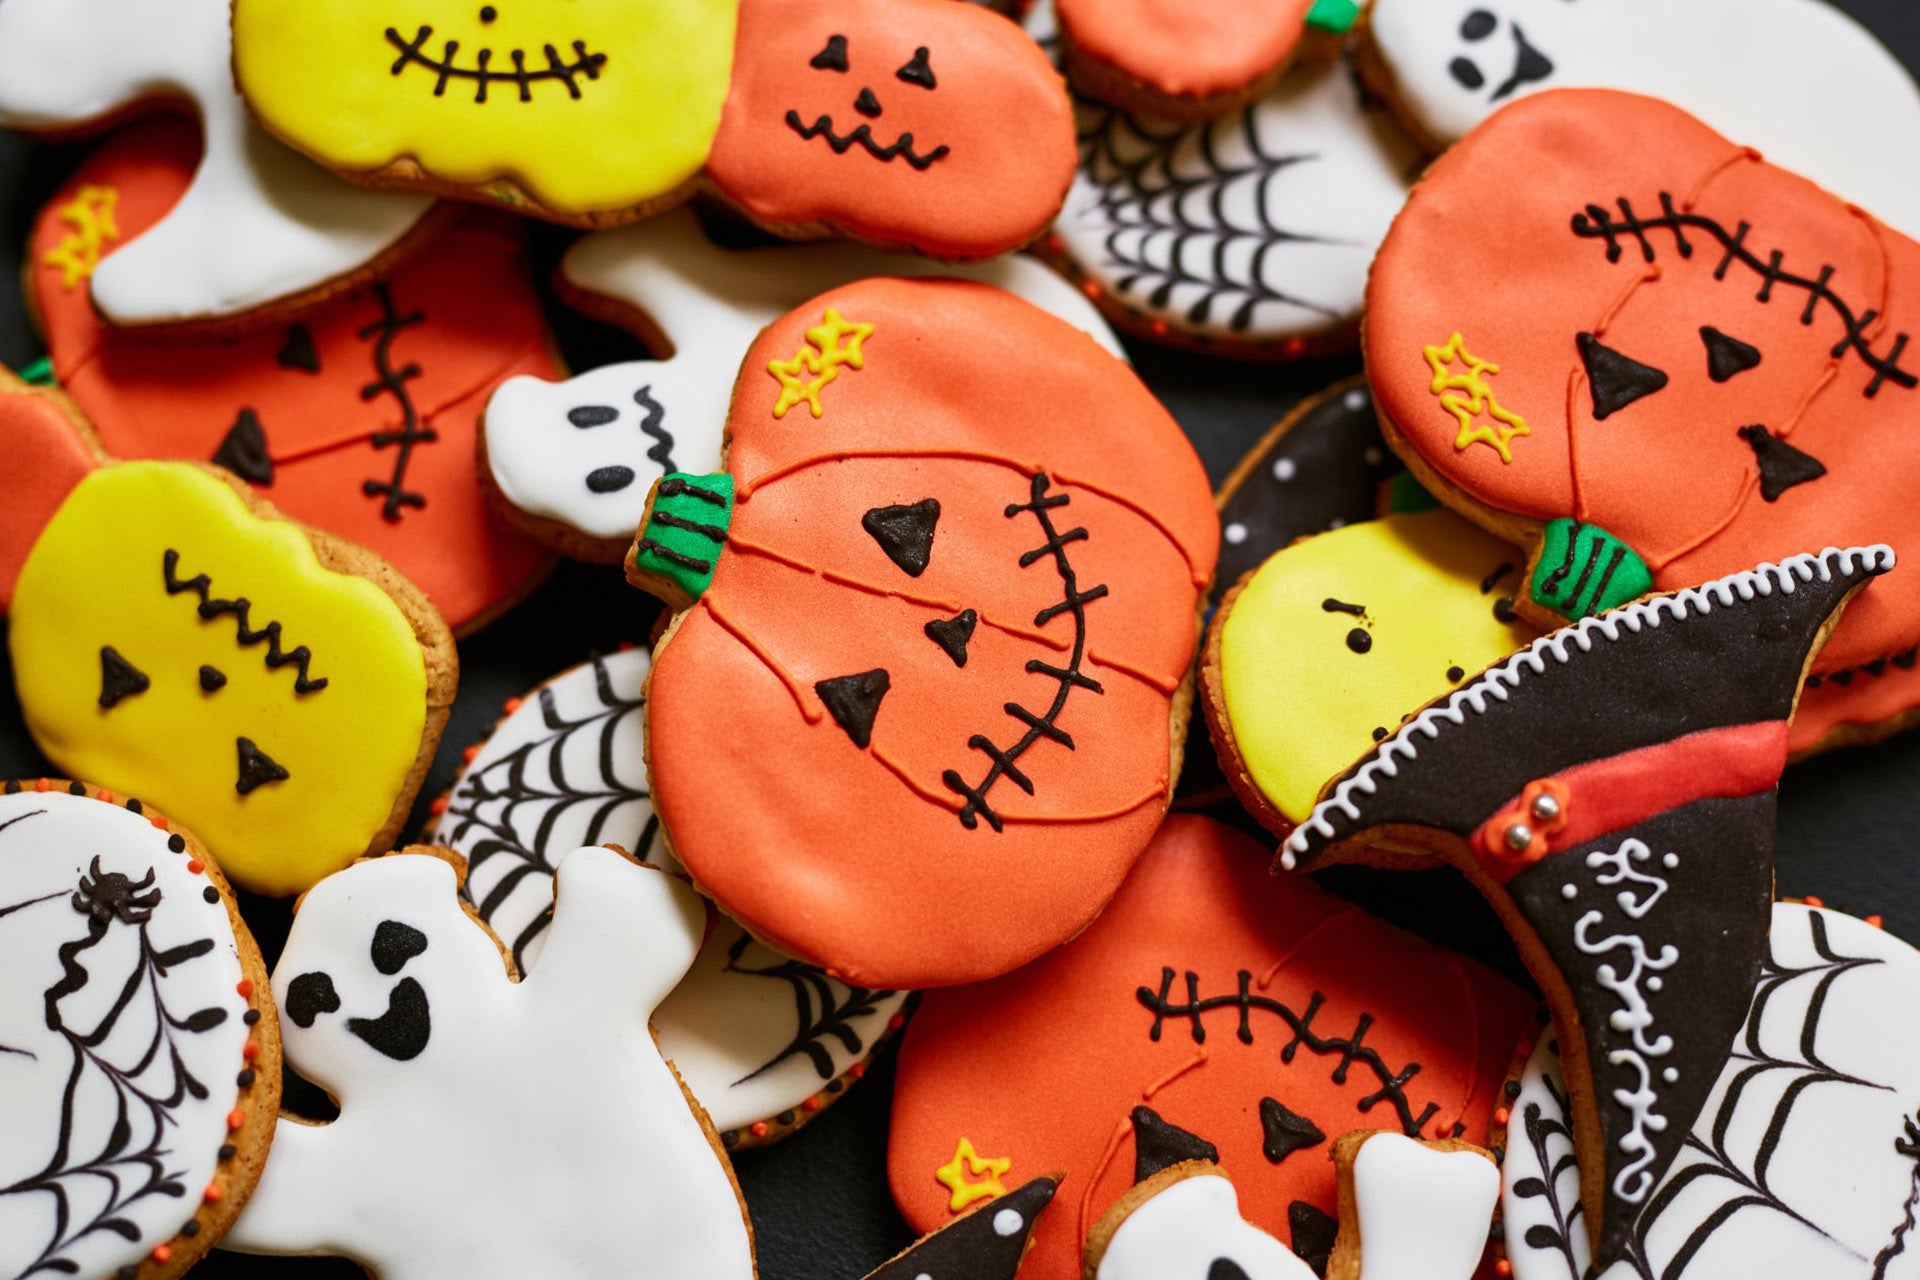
833 57
1727 356
917 71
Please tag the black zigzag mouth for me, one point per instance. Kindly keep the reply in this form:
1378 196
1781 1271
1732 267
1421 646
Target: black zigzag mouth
483 73
901 148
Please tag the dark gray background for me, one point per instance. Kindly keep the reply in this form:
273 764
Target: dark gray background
1849 831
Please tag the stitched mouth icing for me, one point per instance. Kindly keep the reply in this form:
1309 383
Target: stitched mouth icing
900 148
483 73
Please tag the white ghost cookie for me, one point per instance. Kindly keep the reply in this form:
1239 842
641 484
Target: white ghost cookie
488 1129
258 226
1799 79
763 1041
575 459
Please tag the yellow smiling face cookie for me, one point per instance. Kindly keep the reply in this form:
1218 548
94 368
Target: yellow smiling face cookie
1328 645
223 666
588 109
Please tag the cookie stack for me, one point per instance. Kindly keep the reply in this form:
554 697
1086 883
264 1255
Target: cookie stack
866 677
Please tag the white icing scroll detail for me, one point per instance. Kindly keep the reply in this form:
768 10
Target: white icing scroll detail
1798 79
1620 870
497 1130
1497 683
658 415
259 222
1423 1214
1800 1163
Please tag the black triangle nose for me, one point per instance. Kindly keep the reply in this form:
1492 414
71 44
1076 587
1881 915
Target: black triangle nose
867 105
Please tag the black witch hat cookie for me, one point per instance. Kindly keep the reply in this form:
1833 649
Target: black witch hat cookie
986 1244
1611 790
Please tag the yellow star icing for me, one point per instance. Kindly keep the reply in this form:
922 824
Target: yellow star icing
1468 397
91 215
838 342
966 1163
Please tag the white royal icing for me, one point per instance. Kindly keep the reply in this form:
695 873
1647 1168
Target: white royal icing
1187 1230
753 1032
153 1031
1798 79
1805 1161
1256 227
259 222
489 1128
585 452
1423 1213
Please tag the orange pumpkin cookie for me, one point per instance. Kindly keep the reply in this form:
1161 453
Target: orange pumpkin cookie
360 420
937 623
919 123
1258 1012
1187 61
1654 359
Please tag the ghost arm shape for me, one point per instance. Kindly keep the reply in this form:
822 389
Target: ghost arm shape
625 932
259 223
1611 790
302 1205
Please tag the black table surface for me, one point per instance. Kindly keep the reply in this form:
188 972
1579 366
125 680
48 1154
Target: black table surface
1849 822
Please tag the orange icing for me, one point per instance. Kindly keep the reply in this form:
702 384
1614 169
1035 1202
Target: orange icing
1184 48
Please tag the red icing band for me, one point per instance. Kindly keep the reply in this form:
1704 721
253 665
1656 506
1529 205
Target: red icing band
963 154
1044 1065
330 397
1621 791
863 856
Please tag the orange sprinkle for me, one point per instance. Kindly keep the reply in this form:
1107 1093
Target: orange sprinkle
470 753
623 646
252 1050
512 705
896 1022
758 1128
1293 346
212 1194
1054 242
157 820
162 1254
812 1104
857 1070
103 794
1501 1115
437 806
195 867
1878 922
1160 328
245 988
1091 289
1503 1268
236 1118
1812 901
44 784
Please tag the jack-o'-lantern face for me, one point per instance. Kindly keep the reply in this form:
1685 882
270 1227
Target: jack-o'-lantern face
170 641
1256 1012
1710 369
925 122
584 106
359 419
948 646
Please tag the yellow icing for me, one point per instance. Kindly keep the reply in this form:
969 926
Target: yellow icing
971 1176
840 342
324 78
1302 703
96 578
91 226
1468 398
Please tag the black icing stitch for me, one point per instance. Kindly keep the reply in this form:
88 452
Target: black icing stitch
900 148
528 811
824 1010
1595 223
1073 603
200 585
1350 1049
482 73
393 382
146 1076
1144 197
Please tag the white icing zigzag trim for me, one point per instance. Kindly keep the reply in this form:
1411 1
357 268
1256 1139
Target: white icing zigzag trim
1497 682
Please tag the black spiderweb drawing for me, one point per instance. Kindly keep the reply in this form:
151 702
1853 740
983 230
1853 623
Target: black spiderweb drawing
823 1010
1711 1157
505 812
132 1052
1189 216
1551 1139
